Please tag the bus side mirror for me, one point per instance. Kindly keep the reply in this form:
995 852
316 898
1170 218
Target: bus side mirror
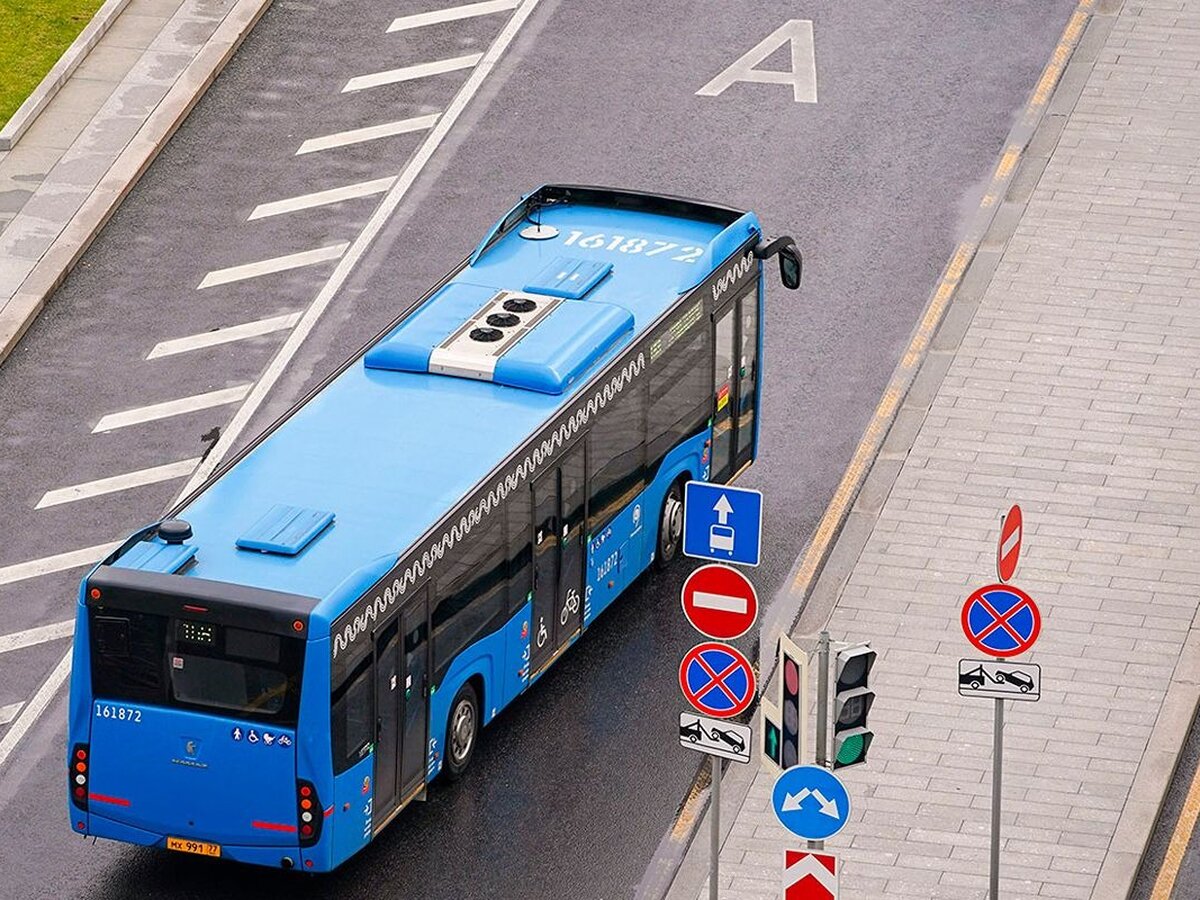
791 266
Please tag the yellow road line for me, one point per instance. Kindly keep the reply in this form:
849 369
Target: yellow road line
1164 884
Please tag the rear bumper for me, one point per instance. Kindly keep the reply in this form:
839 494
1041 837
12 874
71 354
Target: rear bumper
99 826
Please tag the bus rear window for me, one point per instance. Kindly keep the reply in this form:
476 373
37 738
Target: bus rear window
147 658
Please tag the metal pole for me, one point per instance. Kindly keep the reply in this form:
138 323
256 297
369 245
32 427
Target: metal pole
997 771
716 827
822 711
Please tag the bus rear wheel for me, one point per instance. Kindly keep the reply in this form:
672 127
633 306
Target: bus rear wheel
670 525
462 730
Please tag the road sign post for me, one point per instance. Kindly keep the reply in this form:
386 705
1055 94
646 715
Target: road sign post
997 778
715 838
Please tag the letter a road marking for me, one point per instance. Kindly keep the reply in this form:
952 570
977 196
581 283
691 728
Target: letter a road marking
802 76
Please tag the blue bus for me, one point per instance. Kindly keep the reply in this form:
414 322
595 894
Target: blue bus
273 671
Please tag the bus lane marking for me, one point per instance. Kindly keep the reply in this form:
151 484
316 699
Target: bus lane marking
411 73
59 562
346 264
8 713
223 335
273 265
451 14
31 637
370 133
322 198
114 483
165 410
35 707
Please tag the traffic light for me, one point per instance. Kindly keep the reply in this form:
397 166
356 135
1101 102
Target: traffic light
770 732
793 671
852 701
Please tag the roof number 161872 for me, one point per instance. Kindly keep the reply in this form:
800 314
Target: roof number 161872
120 713
619 243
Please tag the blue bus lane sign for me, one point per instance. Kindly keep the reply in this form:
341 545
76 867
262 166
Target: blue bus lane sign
1001 620
717 680
811 802
722 523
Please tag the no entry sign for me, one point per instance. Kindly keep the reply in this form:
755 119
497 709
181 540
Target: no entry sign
1001 620
717 679
1009 548
719 602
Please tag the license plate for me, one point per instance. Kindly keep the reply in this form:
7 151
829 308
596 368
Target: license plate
203 848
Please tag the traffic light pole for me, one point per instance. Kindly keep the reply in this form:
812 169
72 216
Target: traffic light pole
713 884
822 756
997 772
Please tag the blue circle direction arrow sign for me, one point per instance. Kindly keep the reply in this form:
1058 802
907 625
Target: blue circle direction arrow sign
811 802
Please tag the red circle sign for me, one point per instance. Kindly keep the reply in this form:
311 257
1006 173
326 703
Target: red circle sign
720 602
1001 620
1009 548
717 679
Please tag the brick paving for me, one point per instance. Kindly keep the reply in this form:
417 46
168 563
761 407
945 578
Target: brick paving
1076 392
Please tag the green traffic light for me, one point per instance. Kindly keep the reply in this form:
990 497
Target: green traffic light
851 750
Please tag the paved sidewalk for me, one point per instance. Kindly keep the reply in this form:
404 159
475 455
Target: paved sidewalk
68 172
1075 391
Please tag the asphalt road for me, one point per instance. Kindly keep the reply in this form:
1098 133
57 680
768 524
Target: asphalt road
574 786
1176 821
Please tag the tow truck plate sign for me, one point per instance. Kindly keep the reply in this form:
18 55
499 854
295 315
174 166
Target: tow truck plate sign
999 678
718 737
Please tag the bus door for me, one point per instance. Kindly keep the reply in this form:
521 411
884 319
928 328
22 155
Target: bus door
735 380
401 685
558 520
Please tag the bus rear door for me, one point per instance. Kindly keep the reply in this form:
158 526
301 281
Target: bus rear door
558 524
401 713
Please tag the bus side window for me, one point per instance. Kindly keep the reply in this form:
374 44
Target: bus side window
617 455
470 594
520 551
353 717
680 385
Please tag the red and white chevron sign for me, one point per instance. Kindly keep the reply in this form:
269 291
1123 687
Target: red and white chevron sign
1009 547
809 876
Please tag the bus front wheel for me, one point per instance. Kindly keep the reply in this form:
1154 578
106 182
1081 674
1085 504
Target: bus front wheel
670 525
461 731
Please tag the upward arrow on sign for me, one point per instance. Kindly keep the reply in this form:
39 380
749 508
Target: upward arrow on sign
722 509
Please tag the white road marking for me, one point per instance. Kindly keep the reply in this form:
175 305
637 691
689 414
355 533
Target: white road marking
273 265
322 198
172 408
59 562
224 335
31 637
370 133
8 713
116 483
346 264
35 707
411 73
453 14
802 75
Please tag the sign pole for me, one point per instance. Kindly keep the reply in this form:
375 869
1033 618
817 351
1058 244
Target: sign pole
716 827
822 711
997 773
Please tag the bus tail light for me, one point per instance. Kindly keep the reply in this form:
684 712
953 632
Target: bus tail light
308 812
78 774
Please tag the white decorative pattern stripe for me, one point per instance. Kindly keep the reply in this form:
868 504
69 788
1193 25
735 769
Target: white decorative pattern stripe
732 276
380 605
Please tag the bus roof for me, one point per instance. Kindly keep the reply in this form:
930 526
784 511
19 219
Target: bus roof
400 436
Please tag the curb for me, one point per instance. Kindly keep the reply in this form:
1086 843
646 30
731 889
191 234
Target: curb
822 569
49 272
58 75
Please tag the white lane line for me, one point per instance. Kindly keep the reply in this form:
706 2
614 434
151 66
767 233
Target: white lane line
35 707
453 14
273 265
370 133
59 562
172 408
8 713
322 198
411 73
224 335
346 264
116 483
31 637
